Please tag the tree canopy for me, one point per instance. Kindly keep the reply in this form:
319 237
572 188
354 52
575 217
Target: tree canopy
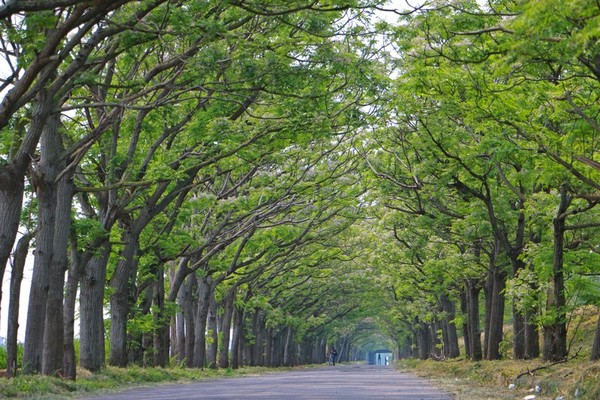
250 182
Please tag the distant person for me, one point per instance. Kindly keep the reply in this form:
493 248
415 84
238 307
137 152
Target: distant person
332 356
378 359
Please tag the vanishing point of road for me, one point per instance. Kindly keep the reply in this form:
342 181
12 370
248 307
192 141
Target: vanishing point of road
348 382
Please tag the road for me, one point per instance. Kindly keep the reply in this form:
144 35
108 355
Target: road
348 382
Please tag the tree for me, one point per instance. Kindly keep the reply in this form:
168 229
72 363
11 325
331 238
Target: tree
490 108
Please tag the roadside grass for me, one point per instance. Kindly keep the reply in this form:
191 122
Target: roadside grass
465 380
109 379
577 378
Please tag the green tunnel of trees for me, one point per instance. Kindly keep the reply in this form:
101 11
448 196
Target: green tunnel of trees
244 182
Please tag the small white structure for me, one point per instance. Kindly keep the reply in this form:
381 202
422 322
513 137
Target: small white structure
380 357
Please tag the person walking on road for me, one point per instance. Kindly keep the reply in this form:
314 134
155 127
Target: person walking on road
332 356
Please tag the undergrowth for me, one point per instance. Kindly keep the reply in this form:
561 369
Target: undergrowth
577 379
508 379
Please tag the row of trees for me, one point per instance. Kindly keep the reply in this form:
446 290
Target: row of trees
184 168
487 162
248 182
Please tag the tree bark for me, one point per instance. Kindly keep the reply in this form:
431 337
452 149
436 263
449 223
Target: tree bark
532 336
141 342
287 349
161 335
268 352
518 334
226 329
119 309
43 178
465 327
91 308
495 285
555 332
236 341
12 178
423 341
69 357
177 322
120 283
213 332
54 333
519 322
472 299
451 348
595 355
189 314
200 321
258 353
11 195
14 302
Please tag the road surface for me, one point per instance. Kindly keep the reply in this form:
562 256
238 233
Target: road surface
348 382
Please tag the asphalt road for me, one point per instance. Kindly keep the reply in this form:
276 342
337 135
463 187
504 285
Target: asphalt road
348 382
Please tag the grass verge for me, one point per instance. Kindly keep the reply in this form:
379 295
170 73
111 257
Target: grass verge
465 380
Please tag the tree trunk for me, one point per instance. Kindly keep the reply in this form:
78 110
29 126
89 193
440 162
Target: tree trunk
189 313
121 283
451 348
236 340
405 346
532 335
226 330
496 283
161 335
141 342
514 253
69 357
519 327
246 353
436 348
268 348
287 349
54 333
43 178
595 356
319 350
261 339
423 341
12 178
213 333
465 327
91 309
16 278
254 351
11 195
472 299
342 350
518 334
177 322
555 333
36 315
204 293
118 329
186 338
